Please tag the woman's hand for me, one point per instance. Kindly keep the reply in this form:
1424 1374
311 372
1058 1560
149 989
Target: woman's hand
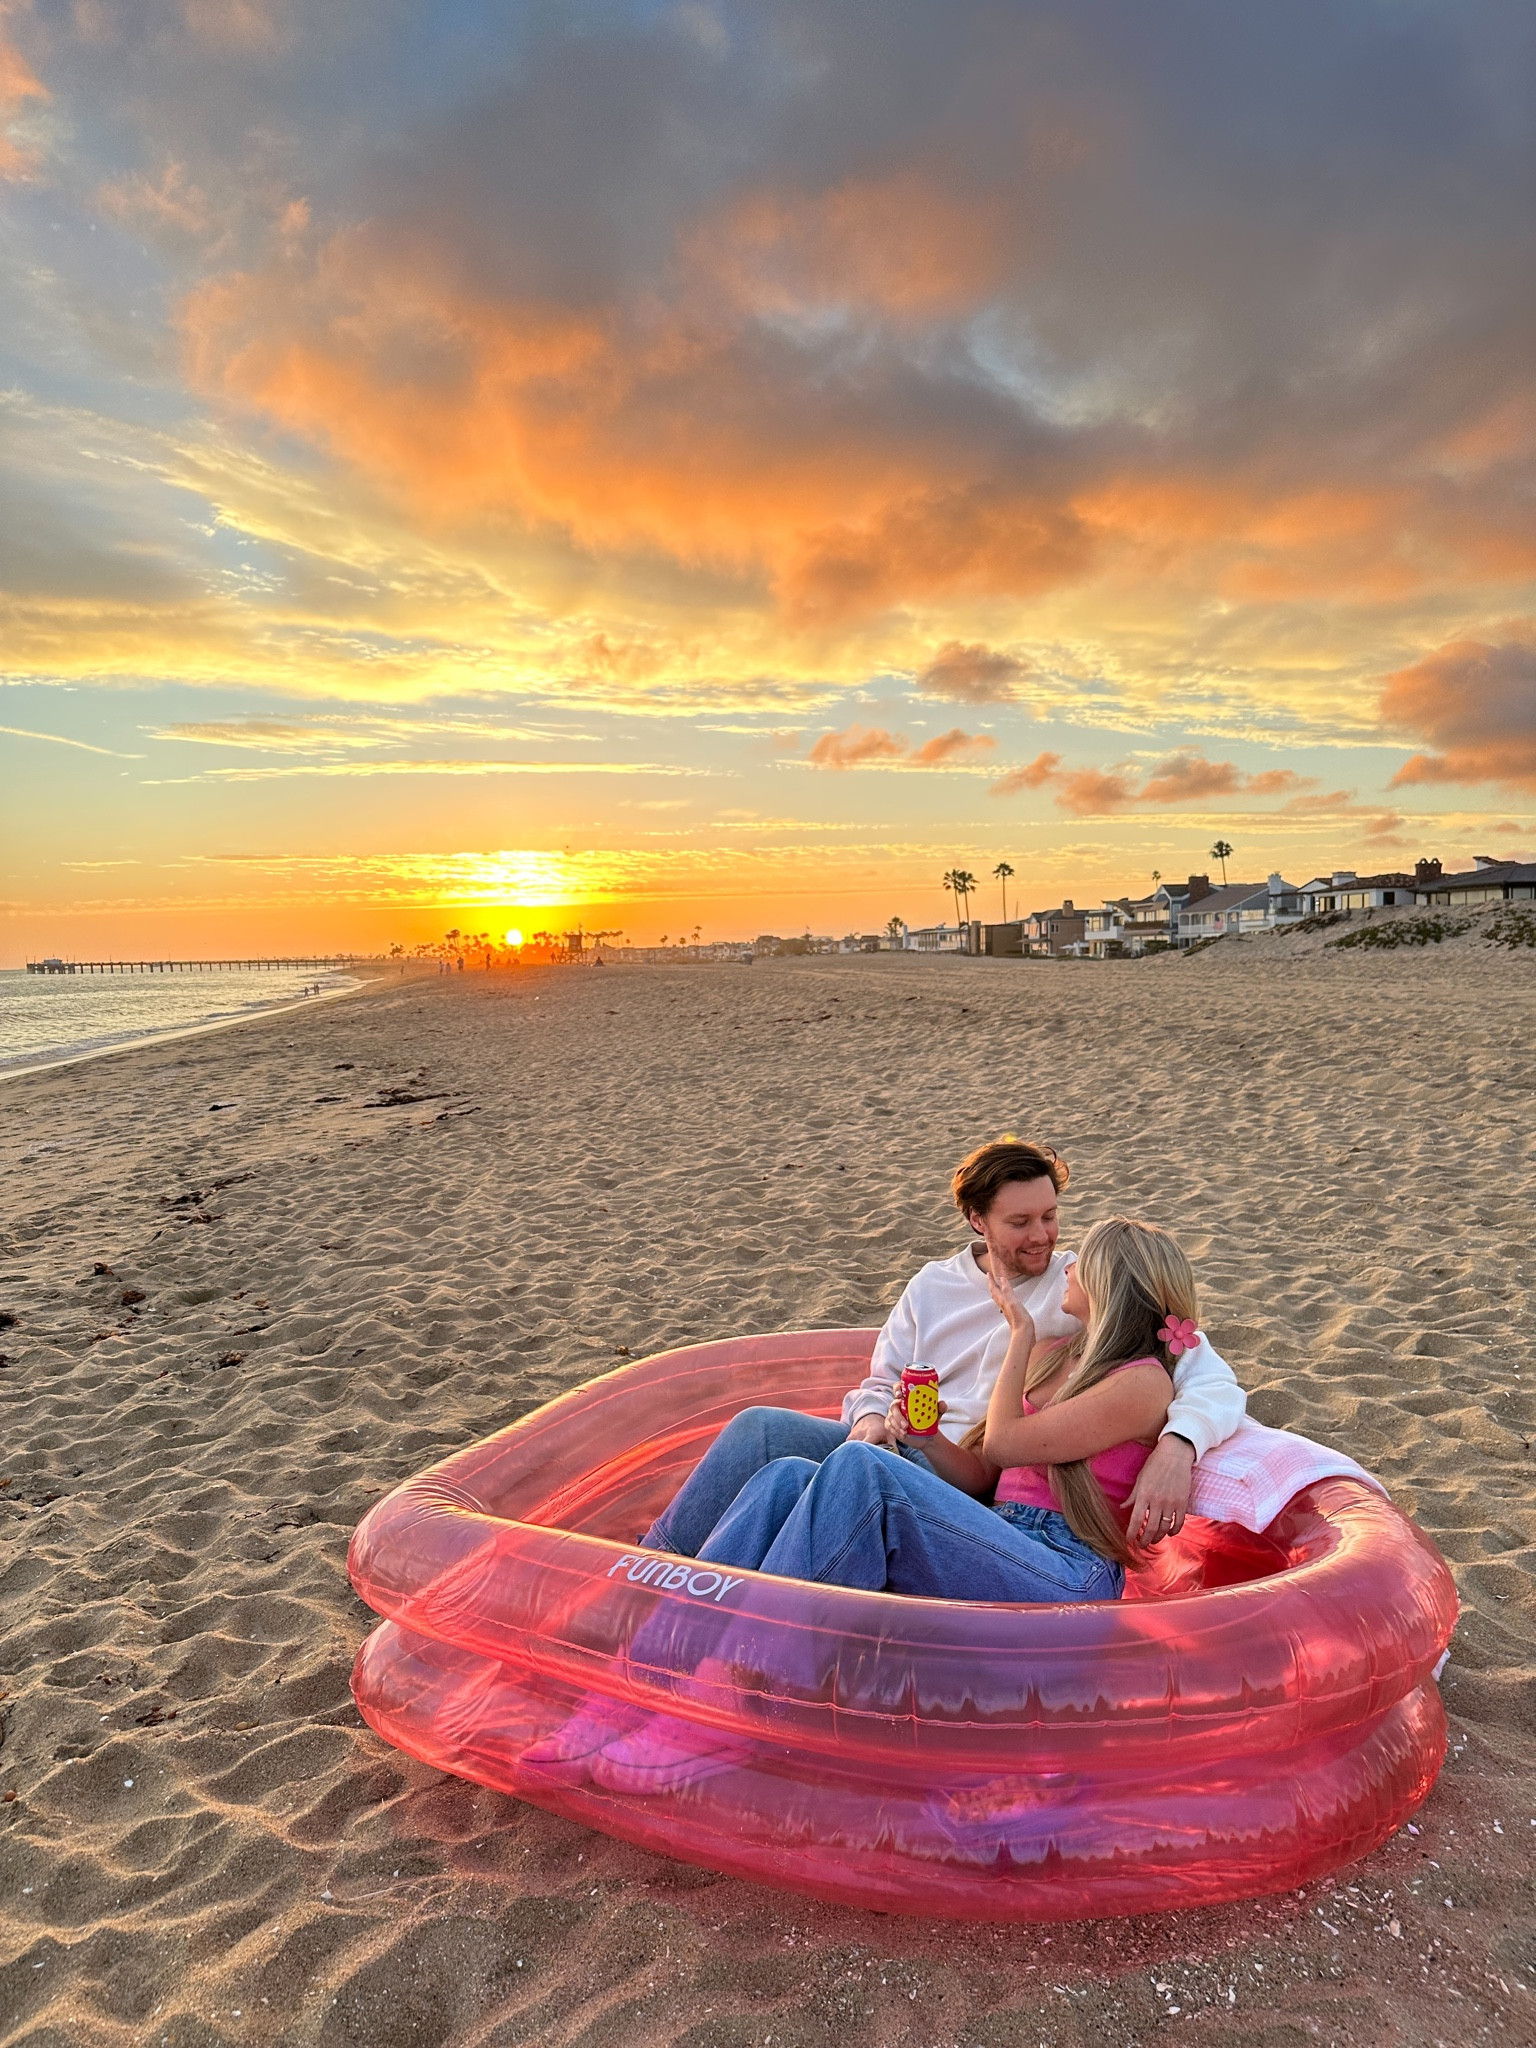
952 1463
870 1429
898 1430
1013 1313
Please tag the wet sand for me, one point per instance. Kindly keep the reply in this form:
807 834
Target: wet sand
429 1207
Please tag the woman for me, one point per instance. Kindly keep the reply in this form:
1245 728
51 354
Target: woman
1068 1428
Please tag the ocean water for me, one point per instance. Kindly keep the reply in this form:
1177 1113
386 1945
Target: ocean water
49 1017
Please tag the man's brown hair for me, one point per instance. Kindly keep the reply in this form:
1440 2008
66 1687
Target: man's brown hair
980 1178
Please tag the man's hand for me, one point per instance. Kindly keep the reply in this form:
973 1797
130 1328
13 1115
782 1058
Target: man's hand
1160 1497
870 1429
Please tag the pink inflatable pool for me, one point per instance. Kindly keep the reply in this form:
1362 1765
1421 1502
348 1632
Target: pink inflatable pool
1258 1711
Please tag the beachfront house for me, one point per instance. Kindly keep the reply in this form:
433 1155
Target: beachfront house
1003 941
1124 925
938 938
1241 908
1345 890
769 944
1104 929
1159 913
1131 924
1053 932
1489 881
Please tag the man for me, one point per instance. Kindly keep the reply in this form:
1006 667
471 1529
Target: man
1008 1192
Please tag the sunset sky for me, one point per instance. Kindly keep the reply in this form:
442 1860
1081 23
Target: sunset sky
678 465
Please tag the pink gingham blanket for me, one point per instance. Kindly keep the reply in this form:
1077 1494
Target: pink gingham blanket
1249 1478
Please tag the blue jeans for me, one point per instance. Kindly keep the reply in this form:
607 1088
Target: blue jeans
860 1517
749 1441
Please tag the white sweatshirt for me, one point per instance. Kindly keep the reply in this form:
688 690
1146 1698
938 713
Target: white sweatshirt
947 1318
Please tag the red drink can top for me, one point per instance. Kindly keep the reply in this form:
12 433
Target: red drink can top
920 1399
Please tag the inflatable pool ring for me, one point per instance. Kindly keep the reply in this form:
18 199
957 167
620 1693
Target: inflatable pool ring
1258 1711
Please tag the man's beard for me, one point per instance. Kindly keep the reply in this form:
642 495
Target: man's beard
1029 1265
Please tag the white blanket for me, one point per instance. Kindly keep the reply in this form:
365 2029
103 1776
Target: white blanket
1250 1477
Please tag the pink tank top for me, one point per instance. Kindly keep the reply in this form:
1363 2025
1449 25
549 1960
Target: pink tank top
1115 1469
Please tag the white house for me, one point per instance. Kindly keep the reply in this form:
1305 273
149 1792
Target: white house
938 938
1345 890
1240 908
1490 881
1128 924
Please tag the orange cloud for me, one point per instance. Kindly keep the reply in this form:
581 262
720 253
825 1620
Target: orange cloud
18 84
782 396
625 428
1033 775
897 245
1185 777
953 745
856 747
1332 803
627 660
1476 704
862 746
1384 828
974 674
173 202
1261 537
1188 776
1090 792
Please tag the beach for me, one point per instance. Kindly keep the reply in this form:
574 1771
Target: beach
260 1276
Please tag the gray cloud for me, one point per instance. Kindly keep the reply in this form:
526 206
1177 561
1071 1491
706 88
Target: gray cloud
972 674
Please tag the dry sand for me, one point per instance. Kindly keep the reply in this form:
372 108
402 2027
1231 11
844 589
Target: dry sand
200 1843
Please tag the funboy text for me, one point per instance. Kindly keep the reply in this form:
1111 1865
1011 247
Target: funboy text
650 1570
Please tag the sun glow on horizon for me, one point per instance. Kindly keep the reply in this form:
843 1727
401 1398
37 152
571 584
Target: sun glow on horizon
513 938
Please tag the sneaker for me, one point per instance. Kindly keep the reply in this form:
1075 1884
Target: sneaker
567 1752
665 1755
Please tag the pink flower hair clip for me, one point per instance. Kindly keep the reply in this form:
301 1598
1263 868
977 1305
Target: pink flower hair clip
1179 1334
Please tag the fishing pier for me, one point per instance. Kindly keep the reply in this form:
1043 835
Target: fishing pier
308 962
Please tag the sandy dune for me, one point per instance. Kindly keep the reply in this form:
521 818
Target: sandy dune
431 1206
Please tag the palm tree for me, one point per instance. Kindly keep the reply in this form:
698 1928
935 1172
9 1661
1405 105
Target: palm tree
1222 851
1002 871
962 881
894 927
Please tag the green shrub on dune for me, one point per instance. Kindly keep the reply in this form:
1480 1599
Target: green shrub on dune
1412 931
1513 925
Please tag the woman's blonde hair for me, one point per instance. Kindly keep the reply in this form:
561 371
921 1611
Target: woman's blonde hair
1135 1276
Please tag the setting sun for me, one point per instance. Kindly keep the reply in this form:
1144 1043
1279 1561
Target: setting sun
513 937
